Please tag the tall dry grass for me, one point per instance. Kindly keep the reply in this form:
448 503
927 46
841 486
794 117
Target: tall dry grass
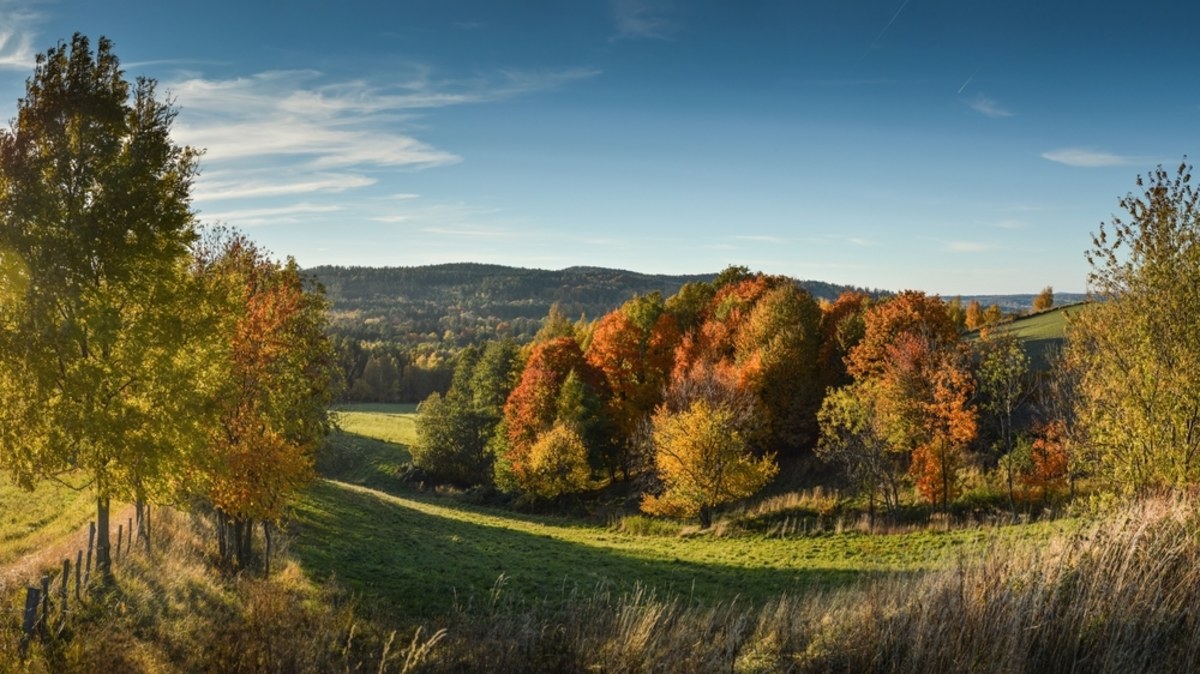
172 611
1120 595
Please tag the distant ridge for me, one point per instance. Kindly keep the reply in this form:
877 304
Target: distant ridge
400 303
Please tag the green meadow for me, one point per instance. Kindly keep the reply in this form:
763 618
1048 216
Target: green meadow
419 555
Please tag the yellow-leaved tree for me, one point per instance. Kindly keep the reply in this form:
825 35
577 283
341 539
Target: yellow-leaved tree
703 461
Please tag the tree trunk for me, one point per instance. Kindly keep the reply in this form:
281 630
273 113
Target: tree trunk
267 548
103 559
705 517
222 548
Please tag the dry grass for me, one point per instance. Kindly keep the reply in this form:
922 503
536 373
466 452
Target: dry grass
172 611
1117 596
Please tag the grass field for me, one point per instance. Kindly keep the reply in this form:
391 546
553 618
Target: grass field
419 554
32 520
1041 333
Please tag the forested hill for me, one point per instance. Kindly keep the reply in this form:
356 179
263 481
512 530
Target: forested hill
465 301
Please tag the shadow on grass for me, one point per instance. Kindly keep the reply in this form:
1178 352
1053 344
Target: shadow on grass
362 460
416 564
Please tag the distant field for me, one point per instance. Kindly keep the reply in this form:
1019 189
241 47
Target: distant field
417 555
1042 333
389 423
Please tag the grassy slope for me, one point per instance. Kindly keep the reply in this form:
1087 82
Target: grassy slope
30 521
1042 333
419 554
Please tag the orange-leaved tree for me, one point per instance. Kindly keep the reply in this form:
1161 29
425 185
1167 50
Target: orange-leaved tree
274 398
633 348
543 398
912 378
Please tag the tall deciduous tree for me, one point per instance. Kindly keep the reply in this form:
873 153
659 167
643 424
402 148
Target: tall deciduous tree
633 349
1002 373
277 382
1139 349
95 225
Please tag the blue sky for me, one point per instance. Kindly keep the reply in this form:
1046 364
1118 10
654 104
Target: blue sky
953 146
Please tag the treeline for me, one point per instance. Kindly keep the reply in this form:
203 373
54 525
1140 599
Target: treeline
695 398
161 365
397 330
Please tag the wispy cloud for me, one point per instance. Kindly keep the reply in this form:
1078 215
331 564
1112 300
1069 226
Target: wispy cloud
17 23
759 238
1088 158
859 241
986 106
270 215
642 19
312 135
222 185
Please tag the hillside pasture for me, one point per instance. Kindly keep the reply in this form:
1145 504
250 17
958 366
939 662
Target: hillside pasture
419 555
1042 334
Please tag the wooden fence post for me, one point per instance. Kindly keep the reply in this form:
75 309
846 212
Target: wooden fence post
120 533
62 591
87 573
78 574
30 622
129 529
44 622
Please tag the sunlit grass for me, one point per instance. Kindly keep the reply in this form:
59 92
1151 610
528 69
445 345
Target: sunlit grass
390 423
33 520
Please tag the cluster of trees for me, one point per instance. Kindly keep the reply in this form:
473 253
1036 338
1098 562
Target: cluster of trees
698 396
163 366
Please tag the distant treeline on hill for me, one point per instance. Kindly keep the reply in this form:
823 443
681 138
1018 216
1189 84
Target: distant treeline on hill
404 303
398 328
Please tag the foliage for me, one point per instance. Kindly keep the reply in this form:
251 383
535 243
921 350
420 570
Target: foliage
633 349
103 365
275 385
558 463
703 461
1044 300
842 328
1003 384
538 402
1138 350
910 398
854 435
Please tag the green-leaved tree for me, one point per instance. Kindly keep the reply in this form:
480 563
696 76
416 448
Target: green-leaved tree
95 228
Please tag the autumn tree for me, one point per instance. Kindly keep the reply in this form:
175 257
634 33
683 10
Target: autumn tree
776 352
1138 348
633 349
278 376
1044 300
536 404
856 437
99 349
949 425
1003 382
992 315
910 378
973 316
842 328
703 461
957 313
